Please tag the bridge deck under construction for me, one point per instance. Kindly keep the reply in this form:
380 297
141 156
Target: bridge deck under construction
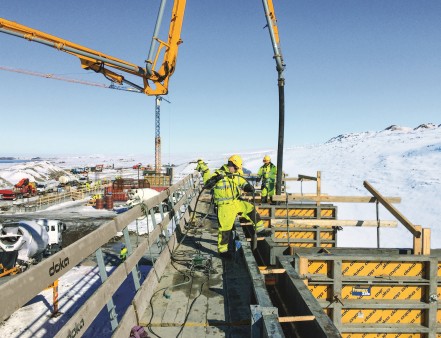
296 283
201 295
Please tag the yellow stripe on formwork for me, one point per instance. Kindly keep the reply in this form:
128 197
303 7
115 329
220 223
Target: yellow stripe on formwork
297 234
370 268
327 213
321 291
438 316
310 213
306 245
439 269
382 335
263 211
319 267
327 235
386 292
382 316
298 213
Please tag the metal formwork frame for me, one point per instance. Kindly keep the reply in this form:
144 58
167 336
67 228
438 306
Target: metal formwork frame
375 294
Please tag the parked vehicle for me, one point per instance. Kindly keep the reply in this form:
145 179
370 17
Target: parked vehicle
28 238
25 188
8 195
46 187
25 243
54 229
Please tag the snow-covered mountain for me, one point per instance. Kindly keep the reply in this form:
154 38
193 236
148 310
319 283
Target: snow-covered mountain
36 171
397 161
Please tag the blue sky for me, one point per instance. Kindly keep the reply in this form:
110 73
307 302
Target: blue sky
351 66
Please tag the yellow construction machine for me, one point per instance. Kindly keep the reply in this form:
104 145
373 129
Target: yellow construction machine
155 74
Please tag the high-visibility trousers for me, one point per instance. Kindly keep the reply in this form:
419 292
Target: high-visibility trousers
226 215
268 189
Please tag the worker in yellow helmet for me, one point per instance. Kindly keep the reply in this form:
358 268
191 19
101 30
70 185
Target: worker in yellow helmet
123 253
267 173
227 183
203 169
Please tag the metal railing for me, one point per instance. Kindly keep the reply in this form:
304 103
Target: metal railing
24 287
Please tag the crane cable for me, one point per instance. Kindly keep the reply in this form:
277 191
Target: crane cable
66 79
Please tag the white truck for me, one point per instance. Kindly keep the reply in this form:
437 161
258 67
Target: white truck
46 187
54 229
31 239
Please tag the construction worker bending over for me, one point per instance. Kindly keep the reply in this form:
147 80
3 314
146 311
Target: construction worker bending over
203 169
226 183
267 173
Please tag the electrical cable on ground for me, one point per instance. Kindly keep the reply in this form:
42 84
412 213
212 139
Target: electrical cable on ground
192 268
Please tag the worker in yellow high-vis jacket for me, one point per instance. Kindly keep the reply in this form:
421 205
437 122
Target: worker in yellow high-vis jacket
227 183
203 169
267 173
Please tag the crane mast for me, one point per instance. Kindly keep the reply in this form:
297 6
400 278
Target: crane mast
158 132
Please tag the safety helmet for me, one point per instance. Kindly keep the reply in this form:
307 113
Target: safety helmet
266 159
236 160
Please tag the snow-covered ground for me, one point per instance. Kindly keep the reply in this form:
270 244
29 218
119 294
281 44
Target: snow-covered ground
397 161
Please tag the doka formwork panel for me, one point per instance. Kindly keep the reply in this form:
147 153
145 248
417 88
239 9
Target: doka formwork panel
275 246
376 294
298 301
296 211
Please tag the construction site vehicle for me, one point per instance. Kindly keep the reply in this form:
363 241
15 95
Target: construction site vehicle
79 171
46 187
26 242
24 188
28 238
8 195
64 180
98 168
54 229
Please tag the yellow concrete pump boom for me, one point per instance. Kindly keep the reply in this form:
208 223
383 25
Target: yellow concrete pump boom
155 76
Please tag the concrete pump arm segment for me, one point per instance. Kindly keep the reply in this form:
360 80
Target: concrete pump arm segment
155 82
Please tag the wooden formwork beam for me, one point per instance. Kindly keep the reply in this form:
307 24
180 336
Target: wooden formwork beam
290 319
392 210
418 242
268 271
331 222
333 199
426 241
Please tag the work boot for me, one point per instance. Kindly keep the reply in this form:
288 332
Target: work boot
264 233
264 199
